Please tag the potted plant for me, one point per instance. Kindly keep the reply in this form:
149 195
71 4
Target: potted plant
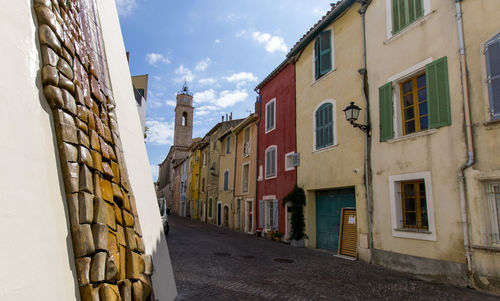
269 234
278 235
298 199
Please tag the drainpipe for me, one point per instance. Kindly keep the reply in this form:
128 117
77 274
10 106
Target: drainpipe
368 139
256 204
469 142
234 175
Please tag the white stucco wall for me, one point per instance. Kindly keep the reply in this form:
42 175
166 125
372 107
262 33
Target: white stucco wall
135 152
36 255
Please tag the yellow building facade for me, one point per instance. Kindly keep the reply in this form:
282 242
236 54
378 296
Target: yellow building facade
195 181
331 170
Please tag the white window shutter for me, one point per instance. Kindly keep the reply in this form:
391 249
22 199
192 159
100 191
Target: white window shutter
261 214
275 215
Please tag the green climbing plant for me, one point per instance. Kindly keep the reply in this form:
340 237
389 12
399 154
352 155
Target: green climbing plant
298 199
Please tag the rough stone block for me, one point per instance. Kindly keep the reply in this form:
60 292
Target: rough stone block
118 215
112 242
128 219
68 152
94 107
133 208
107 190
65 69
67 56
83 242
108 172
86 207
148 264
84 157
72 201
116 172
49 38
49 56
53 96
99 210
67 133
79 95
113 125
97 185
81 125
112 154
147 286
98 267
66 83
134 265
137 291
122 271
111 269
50 75
137 226
83 139
97 158
89 292
117 193
94 140
71 176
86 180
98 125
62 117
110 216
83 270
82 113
107 134
109 292
140 244
125 287
130 239
92 118
126 201
69 44
100 233
69 102
121 235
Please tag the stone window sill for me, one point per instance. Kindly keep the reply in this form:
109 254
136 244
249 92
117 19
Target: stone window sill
412 135
424 231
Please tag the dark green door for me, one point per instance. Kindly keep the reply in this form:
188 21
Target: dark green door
329 206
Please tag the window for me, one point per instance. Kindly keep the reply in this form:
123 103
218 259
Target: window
184 118
414 104
292 159
422 99
245 177
228 144
492 53
203 185
210 208
226 180
493 191
271 162
246 142
412 206
322 54
270 115
405 12
196 181
324 126
268 214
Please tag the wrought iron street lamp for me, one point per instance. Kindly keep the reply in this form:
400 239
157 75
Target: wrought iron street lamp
352 114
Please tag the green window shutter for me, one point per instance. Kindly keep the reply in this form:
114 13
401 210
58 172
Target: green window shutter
396 25
316 58
324 126
386 112
325 59
438 93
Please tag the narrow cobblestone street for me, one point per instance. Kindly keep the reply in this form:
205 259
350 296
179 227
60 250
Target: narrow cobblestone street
212 263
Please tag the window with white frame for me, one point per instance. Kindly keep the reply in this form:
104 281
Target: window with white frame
291 160
271 162
403 13
492 53
268 214
324 125
245 177
271 115
323 54
493 191
246 142
226 180
412 206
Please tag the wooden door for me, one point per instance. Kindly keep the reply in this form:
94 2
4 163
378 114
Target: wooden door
348 232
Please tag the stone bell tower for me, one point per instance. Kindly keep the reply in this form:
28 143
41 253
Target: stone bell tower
183 129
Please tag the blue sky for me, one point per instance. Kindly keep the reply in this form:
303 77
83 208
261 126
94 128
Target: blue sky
224 48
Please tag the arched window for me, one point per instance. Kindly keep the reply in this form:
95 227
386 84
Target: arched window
324 125
184 118
226 180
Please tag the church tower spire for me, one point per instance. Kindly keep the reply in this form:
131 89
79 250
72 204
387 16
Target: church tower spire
183 128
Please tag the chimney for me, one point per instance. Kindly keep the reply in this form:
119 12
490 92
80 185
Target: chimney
222 118
231 116
227 117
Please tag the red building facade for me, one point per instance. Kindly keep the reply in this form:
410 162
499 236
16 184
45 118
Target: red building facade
276 148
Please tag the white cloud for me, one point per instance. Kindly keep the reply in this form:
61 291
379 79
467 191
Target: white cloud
171 103
217 41
155 58
203 65
160 133
154 171
125 7
184 74
241 79
240 33
207 81
271 43
224 99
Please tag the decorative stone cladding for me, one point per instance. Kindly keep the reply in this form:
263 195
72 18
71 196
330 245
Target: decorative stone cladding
107 240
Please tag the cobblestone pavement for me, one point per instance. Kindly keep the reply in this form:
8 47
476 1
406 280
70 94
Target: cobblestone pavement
212 263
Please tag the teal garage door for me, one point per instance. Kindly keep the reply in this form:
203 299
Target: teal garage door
329 204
